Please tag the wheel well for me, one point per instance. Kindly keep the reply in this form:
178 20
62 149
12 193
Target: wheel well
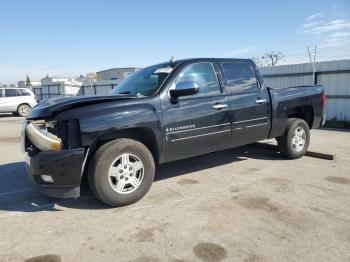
304 112
143 135
23 104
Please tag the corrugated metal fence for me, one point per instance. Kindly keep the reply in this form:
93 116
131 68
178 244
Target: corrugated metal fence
333 75
96 89
56 90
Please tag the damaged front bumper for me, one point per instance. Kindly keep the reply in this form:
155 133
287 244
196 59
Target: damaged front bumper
57 173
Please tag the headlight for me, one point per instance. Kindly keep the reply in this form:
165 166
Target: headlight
38 134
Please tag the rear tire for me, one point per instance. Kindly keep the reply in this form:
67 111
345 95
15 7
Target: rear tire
121 172
23 110
295 140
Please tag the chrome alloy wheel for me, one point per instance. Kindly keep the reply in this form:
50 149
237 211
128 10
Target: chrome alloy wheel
299 139
126 173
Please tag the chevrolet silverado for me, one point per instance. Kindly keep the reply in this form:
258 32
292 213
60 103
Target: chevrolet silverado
165 112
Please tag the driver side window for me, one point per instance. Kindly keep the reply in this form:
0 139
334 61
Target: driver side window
202 74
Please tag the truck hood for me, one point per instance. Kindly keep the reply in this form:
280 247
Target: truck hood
47 108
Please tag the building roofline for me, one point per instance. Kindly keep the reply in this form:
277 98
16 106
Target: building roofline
117 68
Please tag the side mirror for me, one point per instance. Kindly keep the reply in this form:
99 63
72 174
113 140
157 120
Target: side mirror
184 89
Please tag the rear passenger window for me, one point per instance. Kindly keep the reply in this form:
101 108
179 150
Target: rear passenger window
24 92
203 74
239 77
11 92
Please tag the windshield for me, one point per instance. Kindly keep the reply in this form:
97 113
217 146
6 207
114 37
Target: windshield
145 81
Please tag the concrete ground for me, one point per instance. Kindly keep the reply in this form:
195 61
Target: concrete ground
244 204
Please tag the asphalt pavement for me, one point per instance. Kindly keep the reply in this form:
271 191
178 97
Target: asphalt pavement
243 204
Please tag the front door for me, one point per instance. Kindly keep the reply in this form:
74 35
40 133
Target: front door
2 101
250 108
199 123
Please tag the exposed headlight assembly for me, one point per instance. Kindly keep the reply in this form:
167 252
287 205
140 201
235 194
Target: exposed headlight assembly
37 133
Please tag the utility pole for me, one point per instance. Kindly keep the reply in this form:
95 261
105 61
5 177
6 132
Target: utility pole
313 64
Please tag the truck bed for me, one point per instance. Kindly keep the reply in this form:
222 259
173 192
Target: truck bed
295 101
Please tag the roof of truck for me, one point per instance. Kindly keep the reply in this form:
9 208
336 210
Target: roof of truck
205 59
212 59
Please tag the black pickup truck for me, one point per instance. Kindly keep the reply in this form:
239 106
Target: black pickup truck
162 113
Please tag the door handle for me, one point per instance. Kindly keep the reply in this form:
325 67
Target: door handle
260 101
219 106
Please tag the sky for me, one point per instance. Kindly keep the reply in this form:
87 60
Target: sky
76 37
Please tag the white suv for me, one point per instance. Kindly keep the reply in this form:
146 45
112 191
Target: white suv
16 100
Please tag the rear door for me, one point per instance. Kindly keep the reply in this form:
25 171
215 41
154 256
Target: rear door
11 99
250 108
199 123
27 97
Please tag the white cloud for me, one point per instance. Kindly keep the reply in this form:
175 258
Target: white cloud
314 16
340 34
332 43
240 52
330 31
311 24
334 25
334 32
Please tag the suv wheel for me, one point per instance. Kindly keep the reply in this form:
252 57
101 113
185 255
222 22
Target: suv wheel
23 110
296 139
121 172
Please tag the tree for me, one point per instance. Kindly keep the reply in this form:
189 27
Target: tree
28 83
257 61
272 58
91 76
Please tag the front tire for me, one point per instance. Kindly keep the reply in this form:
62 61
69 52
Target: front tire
295 140
121 172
